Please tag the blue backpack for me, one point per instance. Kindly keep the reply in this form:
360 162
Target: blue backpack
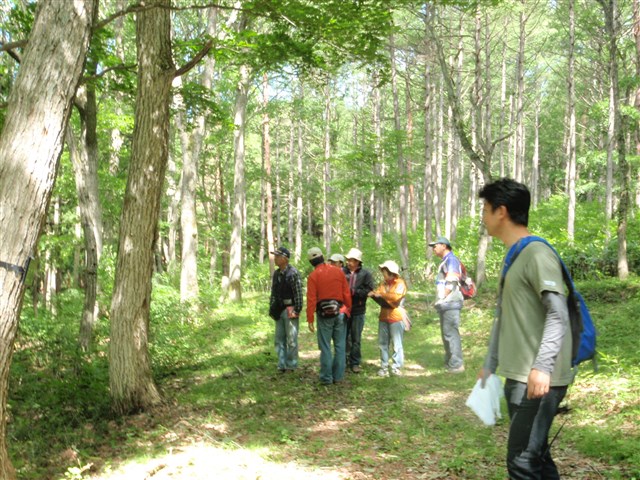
583 332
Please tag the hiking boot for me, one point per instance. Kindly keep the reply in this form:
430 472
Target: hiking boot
356 369
459 369
396 372
383 372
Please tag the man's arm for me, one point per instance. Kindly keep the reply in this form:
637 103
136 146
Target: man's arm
297 292
556 324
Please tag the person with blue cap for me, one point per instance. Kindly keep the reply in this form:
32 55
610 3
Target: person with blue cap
449 303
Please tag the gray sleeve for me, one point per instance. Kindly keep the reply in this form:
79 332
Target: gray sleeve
491 359
556 325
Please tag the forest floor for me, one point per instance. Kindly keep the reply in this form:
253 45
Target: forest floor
229 414
248 421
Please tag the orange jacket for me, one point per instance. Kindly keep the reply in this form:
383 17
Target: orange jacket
393 293
326 282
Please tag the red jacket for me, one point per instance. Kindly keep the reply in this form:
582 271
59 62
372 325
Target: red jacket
326 282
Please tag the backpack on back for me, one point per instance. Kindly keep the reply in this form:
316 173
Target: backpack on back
467 286
583 331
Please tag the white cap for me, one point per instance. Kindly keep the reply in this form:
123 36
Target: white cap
336 257
314 252
391 266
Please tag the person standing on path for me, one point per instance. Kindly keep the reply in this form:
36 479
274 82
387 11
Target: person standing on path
285 305
360 284
327 293
390 295
530 340
449 303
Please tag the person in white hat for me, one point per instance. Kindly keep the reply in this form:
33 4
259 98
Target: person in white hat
327 298
360 284
390 296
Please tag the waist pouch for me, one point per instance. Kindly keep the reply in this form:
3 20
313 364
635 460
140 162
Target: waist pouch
328 308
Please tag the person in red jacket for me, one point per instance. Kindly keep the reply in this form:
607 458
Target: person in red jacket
327 293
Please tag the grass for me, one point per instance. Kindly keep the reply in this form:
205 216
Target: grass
227 408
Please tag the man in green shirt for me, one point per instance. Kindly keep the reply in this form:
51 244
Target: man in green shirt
530 343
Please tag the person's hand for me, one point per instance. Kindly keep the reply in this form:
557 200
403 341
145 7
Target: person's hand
483 374
537 384
312 329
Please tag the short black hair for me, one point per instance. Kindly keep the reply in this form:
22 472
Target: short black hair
513 195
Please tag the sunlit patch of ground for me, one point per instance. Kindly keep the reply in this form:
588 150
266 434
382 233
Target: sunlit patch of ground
201 461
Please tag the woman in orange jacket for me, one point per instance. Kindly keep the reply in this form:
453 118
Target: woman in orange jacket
390 296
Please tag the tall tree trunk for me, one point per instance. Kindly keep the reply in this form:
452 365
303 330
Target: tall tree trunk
519 100
617 134
428 185
117 140
38 109
84 157
377 198
266 158
571 160
239 193
402 192
636 102
299 181
326 176
130 377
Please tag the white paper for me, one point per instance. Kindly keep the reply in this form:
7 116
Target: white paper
485 402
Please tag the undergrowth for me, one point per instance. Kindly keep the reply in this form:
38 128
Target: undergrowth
217 371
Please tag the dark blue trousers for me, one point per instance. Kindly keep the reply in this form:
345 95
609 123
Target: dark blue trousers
528 452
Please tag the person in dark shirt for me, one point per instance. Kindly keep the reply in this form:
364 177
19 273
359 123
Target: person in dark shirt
285 305
360 284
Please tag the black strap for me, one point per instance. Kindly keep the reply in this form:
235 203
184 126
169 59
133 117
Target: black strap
17 269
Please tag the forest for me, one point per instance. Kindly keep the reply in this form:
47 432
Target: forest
153 153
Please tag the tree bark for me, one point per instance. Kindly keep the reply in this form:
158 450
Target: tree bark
266 158
130 377
84 157
38 109
239 193
571 144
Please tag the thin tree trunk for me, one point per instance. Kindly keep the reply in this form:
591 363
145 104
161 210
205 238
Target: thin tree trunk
266 159
38 109
326 176
402 192
519 101
239 191
84 157
571 160
299 182
377 199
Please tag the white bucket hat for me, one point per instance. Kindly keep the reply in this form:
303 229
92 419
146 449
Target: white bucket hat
391 266
355 254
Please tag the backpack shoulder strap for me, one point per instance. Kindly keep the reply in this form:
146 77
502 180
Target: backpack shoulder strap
517 247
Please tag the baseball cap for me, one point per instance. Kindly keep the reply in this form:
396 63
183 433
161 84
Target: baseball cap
314 252
282 251
442 240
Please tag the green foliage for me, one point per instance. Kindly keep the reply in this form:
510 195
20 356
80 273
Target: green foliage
591 254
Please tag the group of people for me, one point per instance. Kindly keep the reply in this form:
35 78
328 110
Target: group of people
528 345
337 293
